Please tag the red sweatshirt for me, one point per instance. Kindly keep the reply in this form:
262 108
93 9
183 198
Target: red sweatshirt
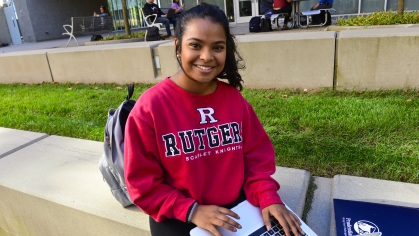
181 148
280 4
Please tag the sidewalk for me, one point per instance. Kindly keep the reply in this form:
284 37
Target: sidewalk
237 29
51 185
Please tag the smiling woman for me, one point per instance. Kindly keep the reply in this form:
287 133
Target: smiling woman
192 125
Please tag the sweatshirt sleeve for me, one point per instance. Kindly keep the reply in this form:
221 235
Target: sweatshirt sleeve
259 160
144 175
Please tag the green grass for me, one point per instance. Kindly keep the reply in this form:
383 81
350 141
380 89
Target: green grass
372 134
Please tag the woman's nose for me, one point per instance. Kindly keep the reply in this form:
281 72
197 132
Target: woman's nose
206 55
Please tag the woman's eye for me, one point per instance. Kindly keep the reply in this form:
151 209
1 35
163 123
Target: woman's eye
194 45
218 48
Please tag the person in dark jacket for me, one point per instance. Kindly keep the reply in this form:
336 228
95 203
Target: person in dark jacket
151 8
266 7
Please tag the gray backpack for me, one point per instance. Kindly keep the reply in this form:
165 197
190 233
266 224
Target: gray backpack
111 163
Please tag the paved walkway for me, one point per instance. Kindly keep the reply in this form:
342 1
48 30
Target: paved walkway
236 29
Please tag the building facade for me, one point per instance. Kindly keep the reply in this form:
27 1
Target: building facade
40 20
240 11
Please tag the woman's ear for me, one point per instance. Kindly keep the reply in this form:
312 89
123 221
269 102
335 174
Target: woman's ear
177 46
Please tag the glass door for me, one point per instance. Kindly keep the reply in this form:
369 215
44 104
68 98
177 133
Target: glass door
245 9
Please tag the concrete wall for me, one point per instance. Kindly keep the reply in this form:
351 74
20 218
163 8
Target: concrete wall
25 67
292 60
377 59
276 60
4 30
361 59
38 16
119 63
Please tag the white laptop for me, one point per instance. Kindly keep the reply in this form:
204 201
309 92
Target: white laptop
252 224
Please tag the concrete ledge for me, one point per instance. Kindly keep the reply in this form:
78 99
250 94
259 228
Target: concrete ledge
377 59
114 41
114 63
25 67
341 28
372 190
167 57
12 140
292 60
294 184
54 187
318 218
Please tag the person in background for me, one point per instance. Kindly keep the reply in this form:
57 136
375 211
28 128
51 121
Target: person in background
103 12
323 4
283 6
266 7
151 8
178 9
320 19
194 147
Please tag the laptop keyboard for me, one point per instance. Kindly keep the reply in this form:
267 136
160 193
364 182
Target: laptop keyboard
276 230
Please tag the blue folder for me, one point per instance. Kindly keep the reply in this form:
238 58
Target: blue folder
355 218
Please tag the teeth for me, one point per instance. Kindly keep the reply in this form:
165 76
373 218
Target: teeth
204 67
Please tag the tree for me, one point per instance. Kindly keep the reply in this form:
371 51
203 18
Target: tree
125 13
400 6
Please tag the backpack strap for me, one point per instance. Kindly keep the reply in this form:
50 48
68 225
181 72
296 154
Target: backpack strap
130 91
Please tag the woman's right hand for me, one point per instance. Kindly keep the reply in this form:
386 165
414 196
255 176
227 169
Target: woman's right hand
210 216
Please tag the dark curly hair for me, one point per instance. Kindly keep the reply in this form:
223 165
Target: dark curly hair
234 61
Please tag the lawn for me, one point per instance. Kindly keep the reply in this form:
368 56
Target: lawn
372 134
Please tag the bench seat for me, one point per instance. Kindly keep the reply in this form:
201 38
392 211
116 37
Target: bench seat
88 25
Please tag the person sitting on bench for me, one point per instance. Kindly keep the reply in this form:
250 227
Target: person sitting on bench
320 19
283 6
323 4
151 8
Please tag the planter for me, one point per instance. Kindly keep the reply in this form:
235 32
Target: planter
340 28
114 41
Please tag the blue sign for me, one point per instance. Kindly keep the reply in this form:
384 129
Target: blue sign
354 218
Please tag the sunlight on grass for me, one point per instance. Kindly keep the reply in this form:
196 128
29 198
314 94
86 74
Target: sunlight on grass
362 133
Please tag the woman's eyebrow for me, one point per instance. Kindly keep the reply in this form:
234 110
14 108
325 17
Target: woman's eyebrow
201 41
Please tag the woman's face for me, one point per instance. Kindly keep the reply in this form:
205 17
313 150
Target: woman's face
203 52
102 10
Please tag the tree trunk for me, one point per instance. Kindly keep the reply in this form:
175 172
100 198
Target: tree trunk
125 13
400 6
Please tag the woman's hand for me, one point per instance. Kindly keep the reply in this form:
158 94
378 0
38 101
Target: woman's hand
286 218
210 216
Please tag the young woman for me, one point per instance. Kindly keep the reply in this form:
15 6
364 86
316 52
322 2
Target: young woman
178 9
103 12
194 146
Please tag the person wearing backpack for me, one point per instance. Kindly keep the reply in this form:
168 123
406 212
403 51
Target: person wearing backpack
194 147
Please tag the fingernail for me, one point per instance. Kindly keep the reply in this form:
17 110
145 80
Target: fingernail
239 227
268 227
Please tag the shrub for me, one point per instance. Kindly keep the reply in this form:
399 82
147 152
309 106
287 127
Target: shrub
140 34
380 18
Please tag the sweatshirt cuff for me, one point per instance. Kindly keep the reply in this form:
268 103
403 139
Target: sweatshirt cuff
269 197
181 208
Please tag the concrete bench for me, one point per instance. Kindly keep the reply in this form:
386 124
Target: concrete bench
51 185
88 25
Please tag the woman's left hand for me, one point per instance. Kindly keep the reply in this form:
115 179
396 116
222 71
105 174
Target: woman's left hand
286 218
